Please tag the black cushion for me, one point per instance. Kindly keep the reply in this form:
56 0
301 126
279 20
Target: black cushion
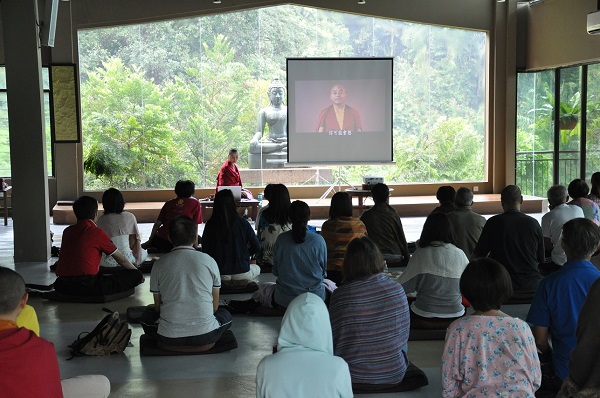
55 296
413 378
250 287
149 346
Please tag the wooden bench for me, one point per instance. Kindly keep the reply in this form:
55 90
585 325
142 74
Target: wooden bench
406 206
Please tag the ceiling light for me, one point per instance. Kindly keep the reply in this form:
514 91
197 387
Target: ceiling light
362 2
216 1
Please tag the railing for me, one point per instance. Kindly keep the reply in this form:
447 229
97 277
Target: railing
535 170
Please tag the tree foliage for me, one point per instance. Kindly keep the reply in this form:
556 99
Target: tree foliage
166 100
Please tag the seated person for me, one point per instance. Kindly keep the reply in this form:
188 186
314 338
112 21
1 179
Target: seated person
261 210
370 318
516 241
559 298
274 220
384 227
122 228
578 191
594 194
584 367
185 284
338 231
78 267
183 205
229 174
433 272
30 367
552 223
304 353
299 264
467 224
230 240
503 343
445 195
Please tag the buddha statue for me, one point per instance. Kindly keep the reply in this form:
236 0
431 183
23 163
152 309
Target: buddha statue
270 152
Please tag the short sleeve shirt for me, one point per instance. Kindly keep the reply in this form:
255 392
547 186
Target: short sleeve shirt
82 248
185 279
178 207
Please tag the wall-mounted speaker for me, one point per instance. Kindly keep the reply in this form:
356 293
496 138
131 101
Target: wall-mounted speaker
48 28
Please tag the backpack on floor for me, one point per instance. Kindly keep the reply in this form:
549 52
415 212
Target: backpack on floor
110 336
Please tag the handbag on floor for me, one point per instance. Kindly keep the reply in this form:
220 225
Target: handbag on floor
110 336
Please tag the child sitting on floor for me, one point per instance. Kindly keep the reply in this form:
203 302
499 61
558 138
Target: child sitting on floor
183 205
489 352
78 267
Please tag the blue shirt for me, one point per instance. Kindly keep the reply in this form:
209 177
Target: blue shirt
556 305
299 267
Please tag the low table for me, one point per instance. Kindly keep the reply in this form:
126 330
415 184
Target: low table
251 203
361 194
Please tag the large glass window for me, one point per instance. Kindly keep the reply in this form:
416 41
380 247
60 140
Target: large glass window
5 170
166 100
535 132
556 147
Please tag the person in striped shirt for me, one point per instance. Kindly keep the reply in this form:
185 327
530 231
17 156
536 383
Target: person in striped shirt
370 318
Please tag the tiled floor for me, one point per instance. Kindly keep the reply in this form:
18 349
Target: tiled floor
230 374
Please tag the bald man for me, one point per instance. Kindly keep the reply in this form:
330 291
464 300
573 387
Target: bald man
339 116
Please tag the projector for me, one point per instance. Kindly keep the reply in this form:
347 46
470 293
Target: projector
368 182
593 23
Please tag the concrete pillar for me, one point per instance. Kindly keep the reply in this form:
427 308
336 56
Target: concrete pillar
31 216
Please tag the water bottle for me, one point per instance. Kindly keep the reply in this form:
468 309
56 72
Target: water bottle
385 267
260 200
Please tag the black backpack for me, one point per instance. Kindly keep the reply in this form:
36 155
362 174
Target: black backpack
111 335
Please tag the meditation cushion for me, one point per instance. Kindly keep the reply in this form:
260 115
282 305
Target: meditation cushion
413 378
134 313
55 296
236 287
150 346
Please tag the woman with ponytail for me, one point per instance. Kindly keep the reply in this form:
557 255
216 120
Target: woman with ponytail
299 263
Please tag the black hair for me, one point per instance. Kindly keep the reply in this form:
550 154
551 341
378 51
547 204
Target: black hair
85 208
580 238
362 259
267 192
279 204
380 193
185 188
437 228
182 231
486 284
224 215
341 205
299 216
578 188
445 194
510 195
113 201
595 180
12 290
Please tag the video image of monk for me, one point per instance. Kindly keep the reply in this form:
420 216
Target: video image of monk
339 115
341 107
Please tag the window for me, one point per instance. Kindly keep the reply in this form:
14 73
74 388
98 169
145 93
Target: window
5 170
166 100
556 148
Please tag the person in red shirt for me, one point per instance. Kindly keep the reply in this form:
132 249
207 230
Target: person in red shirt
29 366
229 174
184 205
78 267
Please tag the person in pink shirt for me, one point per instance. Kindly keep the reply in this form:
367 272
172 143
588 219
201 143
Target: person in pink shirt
488 353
